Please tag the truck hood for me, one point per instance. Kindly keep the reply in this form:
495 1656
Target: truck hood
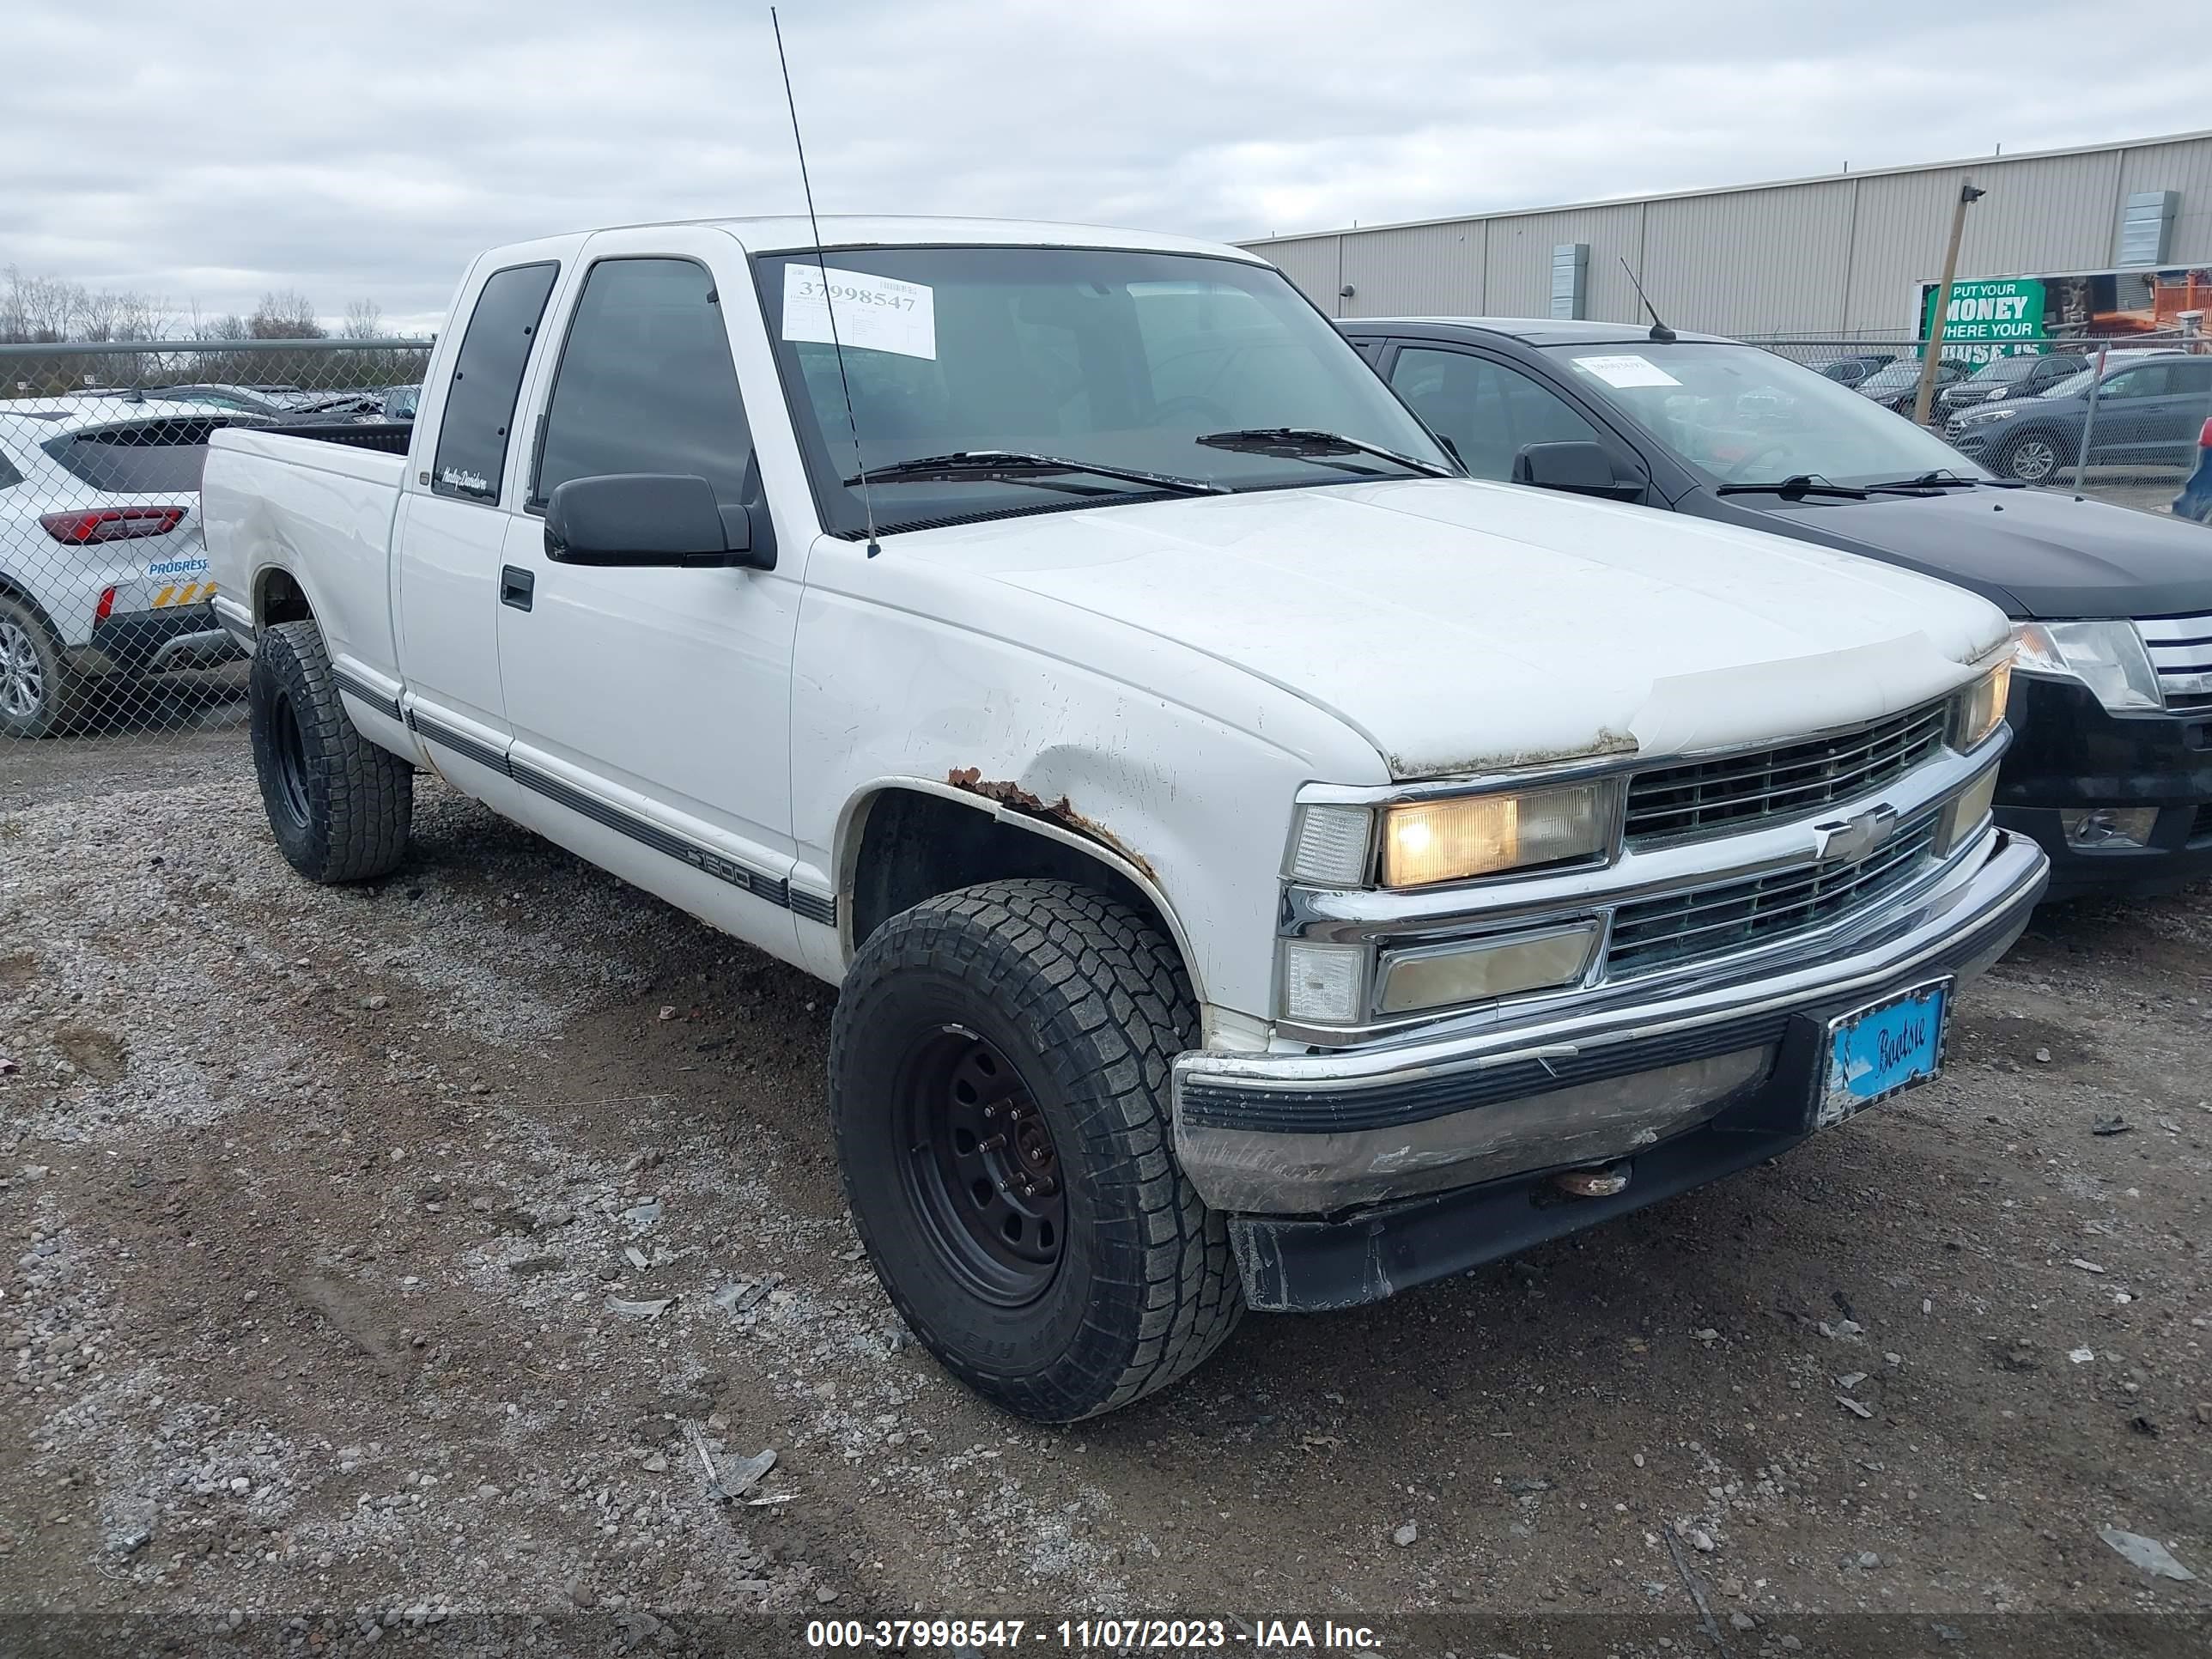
1464 627
2043 554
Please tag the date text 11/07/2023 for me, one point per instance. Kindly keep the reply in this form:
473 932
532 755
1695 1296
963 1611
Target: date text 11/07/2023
1090 1635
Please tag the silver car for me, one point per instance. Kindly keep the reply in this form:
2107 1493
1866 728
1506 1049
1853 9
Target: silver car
103 575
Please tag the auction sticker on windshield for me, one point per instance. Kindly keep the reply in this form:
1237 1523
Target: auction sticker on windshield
872 314
1627 370
1875 1052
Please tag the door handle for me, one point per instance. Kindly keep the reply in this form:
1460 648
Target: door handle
517 587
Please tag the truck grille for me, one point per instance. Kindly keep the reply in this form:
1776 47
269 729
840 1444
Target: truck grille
1684 926
2181 651
1739 791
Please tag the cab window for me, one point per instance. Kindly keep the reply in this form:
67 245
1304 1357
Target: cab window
487 379
646 383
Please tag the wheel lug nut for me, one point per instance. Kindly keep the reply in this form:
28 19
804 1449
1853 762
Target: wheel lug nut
992 1144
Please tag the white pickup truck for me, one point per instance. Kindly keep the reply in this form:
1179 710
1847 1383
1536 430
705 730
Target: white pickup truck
1264 867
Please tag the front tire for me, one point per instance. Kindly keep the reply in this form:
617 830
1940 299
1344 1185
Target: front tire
338 805
2032 459
40 693
998 1078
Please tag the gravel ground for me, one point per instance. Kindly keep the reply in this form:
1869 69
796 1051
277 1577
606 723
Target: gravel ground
336 1214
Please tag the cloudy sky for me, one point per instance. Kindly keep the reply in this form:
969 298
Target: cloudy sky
216 151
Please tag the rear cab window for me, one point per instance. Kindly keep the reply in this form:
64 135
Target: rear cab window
473 434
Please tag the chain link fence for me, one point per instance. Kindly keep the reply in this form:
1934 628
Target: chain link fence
108 635
2122 419
106 631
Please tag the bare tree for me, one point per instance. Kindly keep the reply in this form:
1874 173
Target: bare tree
97 314
364 320
142 317
285 315
37 309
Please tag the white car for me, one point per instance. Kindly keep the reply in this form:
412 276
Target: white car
103 572
1263 866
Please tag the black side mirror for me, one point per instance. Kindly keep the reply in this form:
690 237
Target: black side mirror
1580 468
653 518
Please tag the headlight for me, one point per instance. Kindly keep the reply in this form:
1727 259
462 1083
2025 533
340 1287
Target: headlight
1428 842
1977 417
1983 704
2107 657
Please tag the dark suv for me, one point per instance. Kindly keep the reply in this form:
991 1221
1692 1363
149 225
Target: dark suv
2149 409
2019 376
2110 768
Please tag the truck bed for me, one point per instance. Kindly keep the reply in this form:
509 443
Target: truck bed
317 506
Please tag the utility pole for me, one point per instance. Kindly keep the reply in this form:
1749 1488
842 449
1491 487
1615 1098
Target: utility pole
1934 352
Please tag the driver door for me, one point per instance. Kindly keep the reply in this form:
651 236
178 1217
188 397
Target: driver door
651 705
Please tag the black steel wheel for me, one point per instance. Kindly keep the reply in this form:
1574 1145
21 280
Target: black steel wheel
984 1174
289 750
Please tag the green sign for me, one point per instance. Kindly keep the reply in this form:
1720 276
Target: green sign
1993 318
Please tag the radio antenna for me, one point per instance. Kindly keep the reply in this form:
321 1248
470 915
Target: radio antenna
828 308
1659 331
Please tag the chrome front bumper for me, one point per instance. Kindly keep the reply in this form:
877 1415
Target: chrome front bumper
1324 1134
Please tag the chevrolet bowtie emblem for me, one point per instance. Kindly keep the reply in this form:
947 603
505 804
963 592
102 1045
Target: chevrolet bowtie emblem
1852 838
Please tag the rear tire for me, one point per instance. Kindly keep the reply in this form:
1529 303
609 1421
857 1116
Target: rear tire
1073 1268
41 694
338 805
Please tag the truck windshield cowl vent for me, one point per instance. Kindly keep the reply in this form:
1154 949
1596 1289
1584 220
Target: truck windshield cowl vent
1740 791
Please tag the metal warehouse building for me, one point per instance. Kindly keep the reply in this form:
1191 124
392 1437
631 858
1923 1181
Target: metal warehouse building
1835 257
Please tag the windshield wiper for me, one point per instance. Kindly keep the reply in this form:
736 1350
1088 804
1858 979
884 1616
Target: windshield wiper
1943 476
1020 466
1795 488
1304 444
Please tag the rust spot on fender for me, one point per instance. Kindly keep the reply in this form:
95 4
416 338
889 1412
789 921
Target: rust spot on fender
1061 811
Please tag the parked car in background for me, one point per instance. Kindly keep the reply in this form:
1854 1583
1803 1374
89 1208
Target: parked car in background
241 399
1853 370
103 575
2195 501
2018 376
1263 868
2149 409
1896 386
400 402
2109 771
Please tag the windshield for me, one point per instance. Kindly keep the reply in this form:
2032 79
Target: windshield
1734 414
2073 385
2006 369
1125 359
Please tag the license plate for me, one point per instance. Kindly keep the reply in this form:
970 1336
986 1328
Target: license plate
1875 1052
